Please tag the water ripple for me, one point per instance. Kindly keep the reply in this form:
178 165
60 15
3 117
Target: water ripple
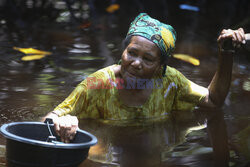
81 46
20 89
79 51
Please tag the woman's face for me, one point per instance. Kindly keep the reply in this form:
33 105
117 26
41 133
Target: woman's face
141 59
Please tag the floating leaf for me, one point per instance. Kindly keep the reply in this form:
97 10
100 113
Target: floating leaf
187 58
32 57
113 8
32 51
196 128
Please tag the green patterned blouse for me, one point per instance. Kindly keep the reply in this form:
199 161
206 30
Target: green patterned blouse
97 97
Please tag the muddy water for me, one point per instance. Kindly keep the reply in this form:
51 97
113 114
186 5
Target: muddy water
153 143
28 90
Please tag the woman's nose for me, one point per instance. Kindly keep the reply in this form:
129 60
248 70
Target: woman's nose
137 63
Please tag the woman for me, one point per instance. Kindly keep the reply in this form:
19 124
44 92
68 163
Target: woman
142 85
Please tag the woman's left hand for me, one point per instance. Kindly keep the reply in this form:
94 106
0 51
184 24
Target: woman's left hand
65 126
237 37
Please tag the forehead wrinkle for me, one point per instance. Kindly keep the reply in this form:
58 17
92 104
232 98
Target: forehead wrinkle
145 52
142 44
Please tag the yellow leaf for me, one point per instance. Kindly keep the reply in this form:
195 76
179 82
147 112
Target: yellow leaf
32 57
112 8
32 51
187 58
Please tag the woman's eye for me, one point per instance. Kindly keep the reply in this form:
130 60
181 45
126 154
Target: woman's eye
148 59
132 53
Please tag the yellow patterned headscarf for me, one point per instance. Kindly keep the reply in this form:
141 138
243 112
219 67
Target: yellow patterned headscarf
163 35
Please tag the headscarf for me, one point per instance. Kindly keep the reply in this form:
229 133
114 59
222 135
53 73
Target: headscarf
163 35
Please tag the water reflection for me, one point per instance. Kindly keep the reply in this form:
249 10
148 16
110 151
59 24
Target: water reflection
131 145
79 51
246 85
159 142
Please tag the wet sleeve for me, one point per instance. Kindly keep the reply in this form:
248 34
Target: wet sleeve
83 100
74 103
188 93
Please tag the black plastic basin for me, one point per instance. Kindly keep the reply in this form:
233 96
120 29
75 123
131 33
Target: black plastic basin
26 146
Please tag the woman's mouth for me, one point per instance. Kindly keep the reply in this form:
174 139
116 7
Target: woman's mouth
132 75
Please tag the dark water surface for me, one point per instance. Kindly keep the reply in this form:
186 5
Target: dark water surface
80 46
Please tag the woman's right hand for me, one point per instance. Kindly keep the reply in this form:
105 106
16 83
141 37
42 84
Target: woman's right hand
237 36
65 126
